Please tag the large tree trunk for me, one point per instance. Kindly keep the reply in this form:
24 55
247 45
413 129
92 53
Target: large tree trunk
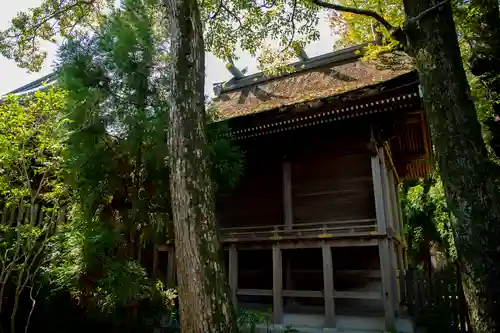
204 299
471 191
484 37
483 28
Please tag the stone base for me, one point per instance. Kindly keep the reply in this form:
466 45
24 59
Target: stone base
310 323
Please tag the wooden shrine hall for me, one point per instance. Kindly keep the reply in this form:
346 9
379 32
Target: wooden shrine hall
315 226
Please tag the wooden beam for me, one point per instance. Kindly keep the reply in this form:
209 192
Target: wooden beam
233 273
393 274
385 269
171 269
309 243
378 191
400 216
394 202
389 216
277 286
390 160
313 294
401 275
365 273
347 237
405 259
357 295
328 286
303 293
287 195
255 292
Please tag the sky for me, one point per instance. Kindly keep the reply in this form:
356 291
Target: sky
12 77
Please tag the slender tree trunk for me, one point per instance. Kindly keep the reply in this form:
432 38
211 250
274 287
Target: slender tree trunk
471 191
205 302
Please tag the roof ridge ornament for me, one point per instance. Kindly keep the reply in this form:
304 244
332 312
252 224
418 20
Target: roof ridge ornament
235 72
240 81
301 54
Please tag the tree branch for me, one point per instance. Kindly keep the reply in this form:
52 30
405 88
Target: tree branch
427 11
292 22
33 303
364 12
55 15
230 12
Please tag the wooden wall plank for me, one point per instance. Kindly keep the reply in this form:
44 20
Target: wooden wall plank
308 243
277 285
287 195
328 286
257 199
330 187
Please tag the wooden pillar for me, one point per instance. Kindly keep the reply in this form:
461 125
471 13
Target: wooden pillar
289 279
383 243
389 217
401 274
328 286
405 259
400 215
393 274
277 286
400 251
378 191
233 273
387 290
171 274
394 202
287 195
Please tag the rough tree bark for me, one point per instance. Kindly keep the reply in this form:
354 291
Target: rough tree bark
204 298
485 46
484 40
471 190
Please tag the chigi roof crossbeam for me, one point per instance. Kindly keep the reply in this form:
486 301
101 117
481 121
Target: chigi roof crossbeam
238 81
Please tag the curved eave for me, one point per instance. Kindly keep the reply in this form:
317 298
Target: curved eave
399 97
